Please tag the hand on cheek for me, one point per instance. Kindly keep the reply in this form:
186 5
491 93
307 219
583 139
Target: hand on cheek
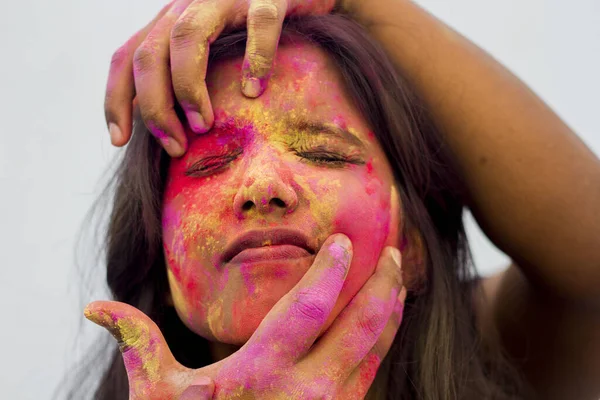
152 371
281 359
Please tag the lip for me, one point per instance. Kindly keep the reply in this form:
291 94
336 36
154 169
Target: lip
265 245
269 253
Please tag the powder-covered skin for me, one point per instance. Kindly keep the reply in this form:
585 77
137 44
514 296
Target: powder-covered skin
152 370
226 182
281 360
268 163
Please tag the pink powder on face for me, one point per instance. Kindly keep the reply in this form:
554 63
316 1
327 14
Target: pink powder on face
200 215
248 284
340 121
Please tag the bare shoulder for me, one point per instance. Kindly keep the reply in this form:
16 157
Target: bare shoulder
554 343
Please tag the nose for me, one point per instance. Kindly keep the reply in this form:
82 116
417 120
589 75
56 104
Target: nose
266 188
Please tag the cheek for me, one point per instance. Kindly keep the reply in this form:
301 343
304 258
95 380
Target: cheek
366 216
191 237
190 227
193 211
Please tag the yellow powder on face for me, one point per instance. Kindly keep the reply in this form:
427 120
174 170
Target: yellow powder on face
215 317
196 227
322 205
327 182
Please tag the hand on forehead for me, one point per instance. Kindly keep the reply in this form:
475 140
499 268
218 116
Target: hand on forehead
304 86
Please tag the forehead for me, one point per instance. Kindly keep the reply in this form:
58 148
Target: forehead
304 85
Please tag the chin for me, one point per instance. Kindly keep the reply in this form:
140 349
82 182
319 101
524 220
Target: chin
232 323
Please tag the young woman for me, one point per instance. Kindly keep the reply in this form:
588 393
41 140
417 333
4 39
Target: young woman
238 249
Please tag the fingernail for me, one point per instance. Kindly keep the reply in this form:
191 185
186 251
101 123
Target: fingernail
196 122
203 380
88 313
103 319
396 256
196 392
172 146
252 87
115 132
343 241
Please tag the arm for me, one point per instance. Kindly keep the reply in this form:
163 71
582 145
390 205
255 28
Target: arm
534 188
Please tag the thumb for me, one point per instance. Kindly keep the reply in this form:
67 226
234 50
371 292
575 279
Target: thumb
145 352
201 389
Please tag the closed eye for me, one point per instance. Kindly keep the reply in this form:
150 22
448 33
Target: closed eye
328 158
212 164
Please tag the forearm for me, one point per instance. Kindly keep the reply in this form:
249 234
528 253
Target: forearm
534 187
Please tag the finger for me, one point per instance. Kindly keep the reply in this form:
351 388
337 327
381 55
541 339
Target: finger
361 323
361 379
152 78
145 352
295 322
120 88
265 19
193 33
201 389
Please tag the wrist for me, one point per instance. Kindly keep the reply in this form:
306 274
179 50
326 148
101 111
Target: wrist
360 10
349 6
368 12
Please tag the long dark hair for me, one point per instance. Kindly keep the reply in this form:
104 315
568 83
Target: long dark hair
438 352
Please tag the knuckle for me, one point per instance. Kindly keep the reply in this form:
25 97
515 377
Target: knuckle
319 392
144 58
371 320
259 62
119 57
185 91
154 121
311 305
150 115
263 14
379 351
184 30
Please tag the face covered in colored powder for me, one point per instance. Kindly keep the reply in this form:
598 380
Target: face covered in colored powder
251 202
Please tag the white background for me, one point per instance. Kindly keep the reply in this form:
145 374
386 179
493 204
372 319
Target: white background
54 146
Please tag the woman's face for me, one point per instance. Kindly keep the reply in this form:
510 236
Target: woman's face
274 178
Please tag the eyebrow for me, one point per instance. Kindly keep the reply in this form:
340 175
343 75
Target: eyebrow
312 127
320 128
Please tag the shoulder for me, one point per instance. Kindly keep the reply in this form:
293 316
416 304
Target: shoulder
552 342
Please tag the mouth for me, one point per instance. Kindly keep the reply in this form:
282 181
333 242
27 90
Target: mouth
267 245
